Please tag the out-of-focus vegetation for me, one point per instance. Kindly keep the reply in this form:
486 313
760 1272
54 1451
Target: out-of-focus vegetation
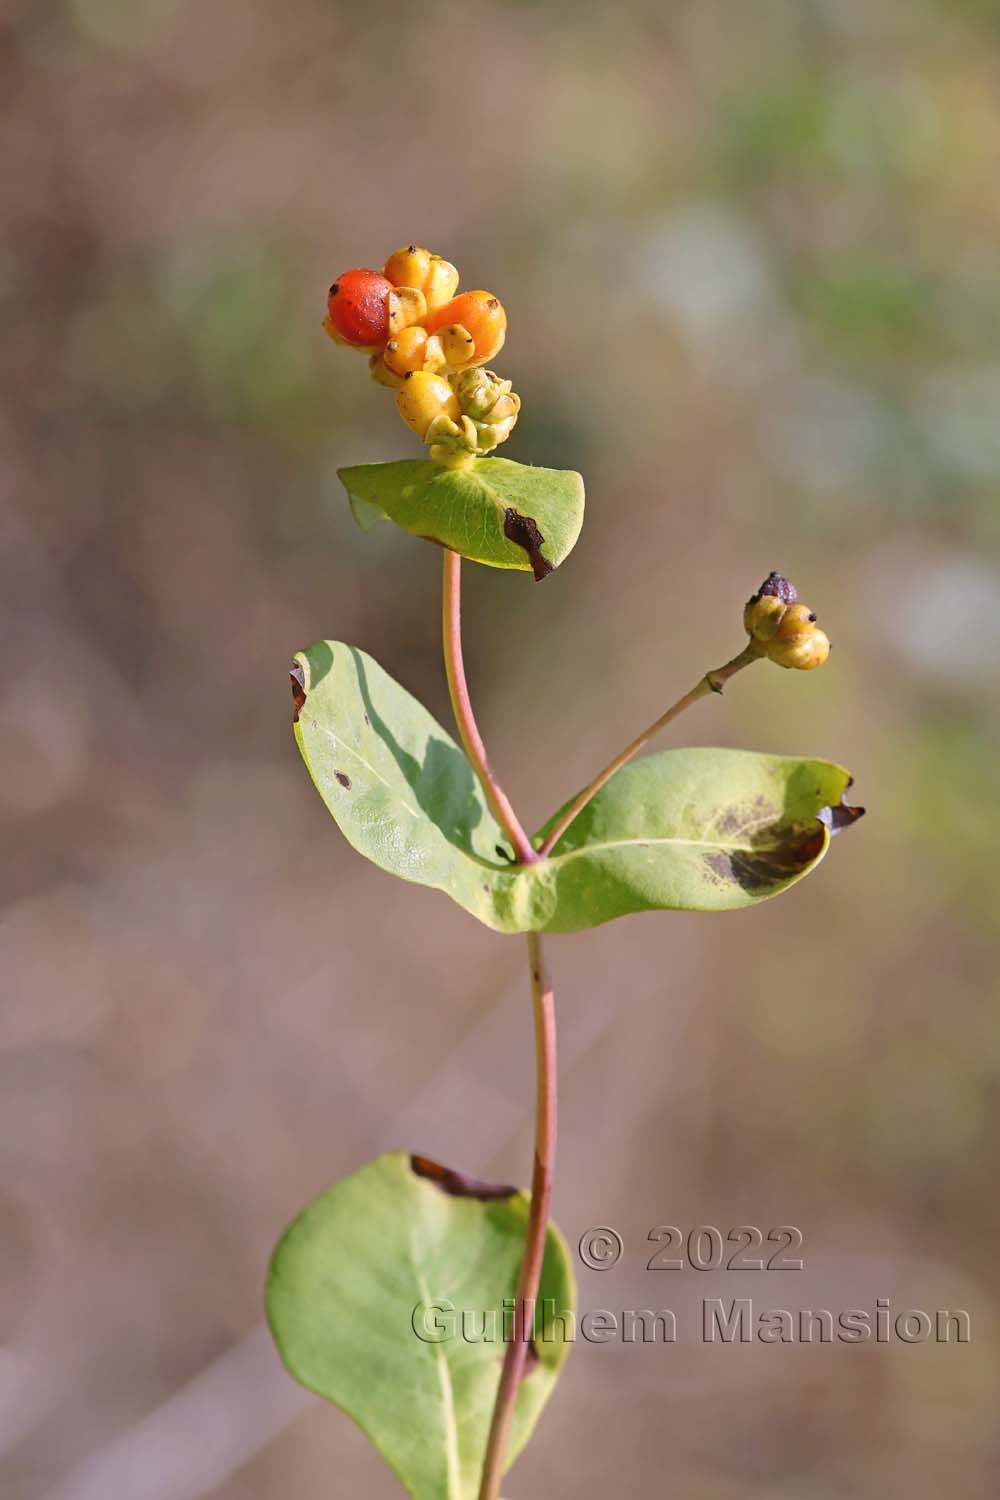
749 256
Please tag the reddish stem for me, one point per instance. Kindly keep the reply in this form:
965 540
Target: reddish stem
465 718
530 1273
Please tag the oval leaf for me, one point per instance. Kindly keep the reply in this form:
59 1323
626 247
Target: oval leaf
404 794
683 830
366 1296
500 513
695 830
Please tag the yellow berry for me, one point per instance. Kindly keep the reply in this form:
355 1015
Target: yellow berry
405 352
408 267
808 649
406 308
422 397
762 616
381 375
457 345
798 618
441 283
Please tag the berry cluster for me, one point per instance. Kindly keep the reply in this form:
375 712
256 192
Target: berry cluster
427 342
782 629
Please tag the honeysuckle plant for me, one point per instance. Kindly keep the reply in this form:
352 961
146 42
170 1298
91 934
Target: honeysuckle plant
356 1276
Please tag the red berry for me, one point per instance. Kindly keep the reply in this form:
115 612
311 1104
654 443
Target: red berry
358 308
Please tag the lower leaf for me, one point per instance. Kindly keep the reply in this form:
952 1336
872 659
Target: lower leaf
387 1296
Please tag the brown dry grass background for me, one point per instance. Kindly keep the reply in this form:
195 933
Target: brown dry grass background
749 255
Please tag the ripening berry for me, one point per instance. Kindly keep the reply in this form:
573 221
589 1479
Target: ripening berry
404 352
762 616
358 309
408 267
809 649
479 314
415 267
796 620
422 397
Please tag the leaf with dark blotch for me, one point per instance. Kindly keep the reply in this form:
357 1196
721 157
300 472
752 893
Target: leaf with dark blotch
366 1296
503 514
696 830
689 830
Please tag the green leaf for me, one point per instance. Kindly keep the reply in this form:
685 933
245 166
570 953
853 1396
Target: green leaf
500 513
695 830
403 793
366 1296
686 830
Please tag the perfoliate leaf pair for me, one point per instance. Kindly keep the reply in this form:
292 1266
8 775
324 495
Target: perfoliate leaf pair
685 830
496 512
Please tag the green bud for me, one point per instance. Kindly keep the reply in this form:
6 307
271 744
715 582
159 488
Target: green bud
488 411
479 391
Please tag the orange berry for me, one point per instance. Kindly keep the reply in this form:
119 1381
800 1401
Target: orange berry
481 314
358 309
405 350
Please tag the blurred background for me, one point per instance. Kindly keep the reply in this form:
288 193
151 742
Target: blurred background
749 257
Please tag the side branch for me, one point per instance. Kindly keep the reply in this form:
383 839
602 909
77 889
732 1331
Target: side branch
712 682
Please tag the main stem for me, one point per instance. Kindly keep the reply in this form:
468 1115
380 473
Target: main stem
526 1296
543 1005
464 717
712 682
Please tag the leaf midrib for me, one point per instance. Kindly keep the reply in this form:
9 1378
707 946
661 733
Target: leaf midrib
645 841
440 1359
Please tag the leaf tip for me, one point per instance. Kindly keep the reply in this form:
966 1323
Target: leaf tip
842 816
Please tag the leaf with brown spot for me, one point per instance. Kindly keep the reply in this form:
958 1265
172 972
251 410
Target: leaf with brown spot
523 532
696 830
459 1184
503 514
349 1279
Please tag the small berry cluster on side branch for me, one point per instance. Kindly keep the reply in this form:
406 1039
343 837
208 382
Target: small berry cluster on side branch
782 629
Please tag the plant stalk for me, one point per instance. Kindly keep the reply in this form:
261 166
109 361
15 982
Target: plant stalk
546 1086
529 1276
464 717
712 682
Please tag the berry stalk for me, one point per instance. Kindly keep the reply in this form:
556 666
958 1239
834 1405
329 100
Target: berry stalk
712 682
